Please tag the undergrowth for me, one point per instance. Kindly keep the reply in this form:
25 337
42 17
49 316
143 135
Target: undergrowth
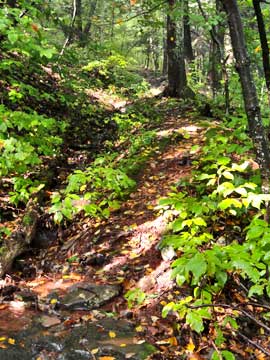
219 233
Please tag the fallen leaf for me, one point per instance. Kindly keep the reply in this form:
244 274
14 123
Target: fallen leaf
106 358
190 347
139 342
112 334
154 319
139 328
11 341
94 351
130 355
172 341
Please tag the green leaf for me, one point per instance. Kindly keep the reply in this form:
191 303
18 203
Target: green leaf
195 321
197 266
12 36
227 203
255 232
215 356
228 175
247 269
199 221
227 355
256 289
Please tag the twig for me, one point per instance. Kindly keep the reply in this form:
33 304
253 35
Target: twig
258 322
217 351
253 343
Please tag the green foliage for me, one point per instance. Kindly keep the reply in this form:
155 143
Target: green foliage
98 189
95 191
222 191
112 73
25 139
135 297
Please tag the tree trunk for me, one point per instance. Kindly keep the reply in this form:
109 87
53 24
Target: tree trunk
188 51
256 129
79 27
88 25
264 45
165 52
177 80
217 51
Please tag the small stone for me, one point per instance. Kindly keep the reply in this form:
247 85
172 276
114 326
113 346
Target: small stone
49 321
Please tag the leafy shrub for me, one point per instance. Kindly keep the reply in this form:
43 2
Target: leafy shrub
24 140
112 73
221 191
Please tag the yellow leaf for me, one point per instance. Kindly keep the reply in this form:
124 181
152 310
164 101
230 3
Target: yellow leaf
190 347
258 49
163 303
94 351
3 338
54 301
106 358
173 341
139 328
112 334
123 345
11 341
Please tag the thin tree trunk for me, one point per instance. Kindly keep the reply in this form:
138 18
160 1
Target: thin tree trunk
264 45
219 43
177 79
188 51
165 52
87 28
256 129
79 26
68 39
217 53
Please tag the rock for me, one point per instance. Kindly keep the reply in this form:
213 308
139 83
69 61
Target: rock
85 296
49 321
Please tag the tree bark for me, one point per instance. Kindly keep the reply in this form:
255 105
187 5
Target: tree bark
88 25
177 79
264 45
165 51
252 108
79 26
217 53
188 51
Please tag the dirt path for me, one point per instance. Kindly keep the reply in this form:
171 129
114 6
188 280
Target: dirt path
124 248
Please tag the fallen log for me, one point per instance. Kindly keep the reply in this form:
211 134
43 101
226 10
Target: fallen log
21 238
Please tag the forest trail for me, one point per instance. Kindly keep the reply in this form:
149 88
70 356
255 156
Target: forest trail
122 250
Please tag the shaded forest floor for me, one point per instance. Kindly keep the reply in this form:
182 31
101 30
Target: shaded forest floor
124 250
